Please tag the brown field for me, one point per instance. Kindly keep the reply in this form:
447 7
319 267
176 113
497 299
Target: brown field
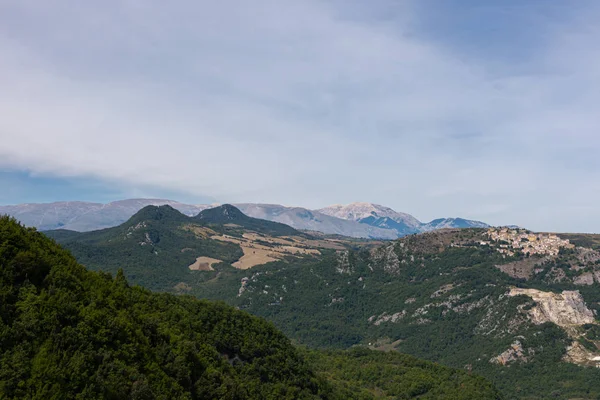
297 242
332 244
255 256
256 253
204 264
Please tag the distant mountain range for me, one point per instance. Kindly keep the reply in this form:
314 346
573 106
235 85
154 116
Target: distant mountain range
85 216
386 218
360 220
304 219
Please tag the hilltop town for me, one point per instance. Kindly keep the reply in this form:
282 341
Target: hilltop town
508 241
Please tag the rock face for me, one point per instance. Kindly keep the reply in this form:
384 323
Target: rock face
584 279
514 353
566 309
577 354
387 258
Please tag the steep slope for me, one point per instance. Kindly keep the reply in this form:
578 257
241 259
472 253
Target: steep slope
68 333
85 216
304 219
73 334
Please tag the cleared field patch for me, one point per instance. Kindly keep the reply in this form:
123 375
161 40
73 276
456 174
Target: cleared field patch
254 256
204 264
296 241
259 249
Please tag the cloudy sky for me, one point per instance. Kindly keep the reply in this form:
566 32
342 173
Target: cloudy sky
485 110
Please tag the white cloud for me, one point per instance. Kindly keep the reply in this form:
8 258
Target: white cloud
301 103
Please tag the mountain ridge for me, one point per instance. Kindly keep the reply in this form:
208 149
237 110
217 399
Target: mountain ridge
365 221
403 223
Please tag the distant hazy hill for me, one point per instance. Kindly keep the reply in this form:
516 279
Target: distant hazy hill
444 223
84 216
304 219
359 220
384 217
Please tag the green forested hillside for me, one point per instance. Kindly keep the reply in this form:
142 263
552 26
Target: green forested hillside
365 373
228 214
440 296
68 333
156 245
151 247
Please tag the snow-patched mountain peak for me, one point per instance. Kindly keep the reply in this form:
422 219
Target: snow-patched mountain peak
443 223
360 210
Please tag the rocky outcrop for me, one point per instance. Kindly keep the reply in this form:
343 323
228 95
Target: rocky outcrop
584 279
514 353
565 309
343 262
385 317
577 354
387 257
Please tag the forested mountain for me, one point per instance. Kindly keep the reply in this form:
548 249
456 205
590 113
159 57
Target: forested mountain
518 307
160 248
228 214
68 333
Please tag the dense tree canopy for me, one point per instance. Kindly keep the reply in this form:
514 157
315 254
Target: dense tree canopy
69 333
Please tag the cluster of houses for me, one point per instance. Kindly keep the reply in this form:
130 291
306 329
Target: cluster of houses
508 240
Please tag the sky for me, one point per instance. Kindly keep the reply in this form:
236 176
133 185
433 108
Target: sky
438 108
